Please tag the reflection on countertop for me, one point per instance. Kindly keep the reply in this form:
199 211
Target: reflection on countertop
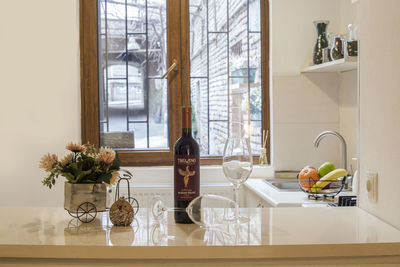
267 227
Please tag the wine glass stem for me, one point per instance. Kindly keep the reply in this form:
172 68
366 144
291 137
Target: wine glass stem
175 209
236 188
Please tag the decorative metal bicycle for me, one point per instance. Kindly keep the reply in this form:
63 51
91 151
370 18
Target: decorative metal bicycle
84 201
133 201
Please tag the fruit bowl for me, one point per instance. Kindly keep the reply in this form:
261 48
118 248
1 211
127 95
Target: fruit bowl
331 190
324 183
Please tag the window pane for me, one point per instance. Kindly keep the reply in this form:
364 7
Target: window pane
238 38
133 50
198 39
218 76
225 57
217 15
256 137
254 14
199 99
136 15
158 113
218 135
140 130
116 106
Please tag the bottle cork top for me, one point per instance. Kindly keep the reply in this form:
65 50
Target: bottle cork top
186 117
186 109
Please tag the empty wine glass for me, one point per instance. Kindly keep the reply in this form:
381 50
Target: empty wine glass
205 210
237 164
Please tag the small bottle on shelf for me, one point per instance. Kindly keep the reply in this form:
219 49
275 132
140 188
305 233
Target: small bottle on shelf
352 43
263 156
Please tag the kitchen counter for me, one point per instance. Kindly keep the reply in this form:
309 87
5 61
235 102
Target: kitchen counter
277 198
273 234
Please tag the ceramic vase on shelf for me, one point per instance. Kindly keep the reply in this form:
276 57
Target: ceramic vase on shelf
322 41
337 51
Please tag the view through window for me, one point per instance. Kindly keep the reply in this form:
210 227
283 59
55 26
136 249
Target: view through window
225 73
132 58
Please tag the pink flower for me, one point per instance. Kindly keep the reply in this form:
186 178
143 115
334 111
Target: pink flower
75 147
67 159
106 155
47 162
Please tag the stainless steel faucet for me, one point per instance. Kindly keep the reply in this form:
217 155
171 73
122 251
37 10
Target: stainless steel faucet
342 142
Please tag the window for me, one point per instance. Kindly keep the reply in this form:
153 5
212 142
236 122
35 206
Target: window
221 47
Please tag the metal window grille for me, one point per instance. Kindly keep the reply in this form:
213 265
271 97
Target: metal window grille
133 97
225 101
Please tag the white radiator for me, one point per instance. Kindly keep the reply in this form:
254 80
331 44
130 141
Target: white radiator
145 193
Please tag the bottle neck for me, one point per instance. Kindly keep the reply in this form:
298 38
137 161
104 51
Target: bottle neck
186 121
186 132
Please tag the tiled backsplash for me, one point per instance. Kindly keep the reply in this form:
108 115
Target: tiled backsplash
304 106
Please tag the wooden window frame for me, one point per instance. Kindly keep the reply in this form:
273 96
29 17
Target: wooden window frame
177 14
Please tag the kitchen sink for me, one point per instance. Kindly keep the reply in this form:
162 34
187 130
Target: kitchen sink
289 185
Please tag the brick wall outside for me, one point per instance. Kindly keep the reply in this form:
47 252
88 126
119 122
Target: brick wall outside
216 106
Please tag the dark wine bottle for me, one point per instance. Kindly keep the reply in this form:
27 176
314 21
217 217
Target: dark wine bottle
186 168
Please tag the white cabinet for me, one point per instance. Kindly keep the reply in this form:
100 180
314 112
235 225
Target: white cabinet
252 200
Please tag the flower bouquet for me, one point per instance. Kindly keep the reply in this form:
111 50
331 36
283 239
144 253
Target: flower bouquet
88 171
84 165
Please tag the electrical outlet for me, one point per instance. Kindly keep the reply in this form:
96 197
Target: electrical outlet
372 185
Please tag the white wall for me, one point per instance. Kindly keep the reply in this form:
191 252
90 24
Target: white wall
379 105
294 34
348 114
39 81
306 104
349 14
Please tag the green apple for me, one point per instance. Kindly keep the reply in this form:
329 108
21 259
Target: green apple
326 168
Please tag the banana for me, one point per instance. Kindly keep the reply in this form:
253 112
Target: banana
327 179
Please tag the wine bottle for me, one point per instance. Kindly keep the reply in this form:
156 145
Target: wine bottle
186 168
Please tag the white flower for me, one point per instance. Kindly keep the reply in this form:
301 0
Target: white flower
75 147
47 162
106 155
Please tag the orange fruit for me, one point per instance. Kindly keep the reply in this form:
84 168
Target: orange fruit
308 177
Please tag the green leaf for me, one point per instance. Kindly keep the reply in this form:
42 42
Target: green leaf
74 168
86 164
91 177
69 177
105 178
82 176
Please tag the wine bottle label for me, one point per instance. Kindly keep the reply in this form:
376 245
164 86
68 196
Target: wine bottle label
187 179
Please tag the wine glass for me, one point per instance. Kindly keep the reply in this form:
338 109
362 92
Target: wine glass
237 164
206 210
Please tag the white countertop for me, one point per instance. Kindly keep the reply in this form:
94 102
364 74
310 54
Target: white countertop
41 232
277 198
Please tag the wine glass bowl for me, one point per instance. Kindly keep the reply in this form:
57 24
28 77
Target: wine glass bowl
209 210
237 171
206 210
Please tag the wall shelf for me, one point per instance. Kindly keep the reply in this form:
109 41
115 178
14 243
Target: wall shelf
340 65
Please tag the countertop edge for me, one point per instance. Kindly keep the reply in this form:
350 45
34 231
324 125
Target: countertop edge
199 252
